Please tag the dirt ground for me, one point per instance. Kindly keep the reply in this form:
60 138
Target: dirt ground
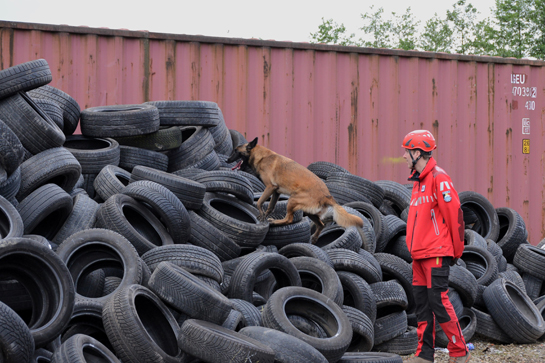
490 352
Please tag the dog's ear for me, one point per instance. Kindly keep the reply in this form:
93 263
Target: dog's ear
251 144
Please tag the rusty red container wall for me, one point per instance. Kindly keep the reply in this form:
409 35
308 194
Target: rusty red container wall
350 106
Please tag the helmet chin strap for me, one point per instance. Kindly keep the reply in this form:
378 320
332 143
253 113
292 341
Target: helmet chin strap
414 160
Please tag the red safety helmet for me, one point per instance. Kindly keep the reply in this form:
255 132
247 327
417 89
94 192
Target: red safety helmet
419 139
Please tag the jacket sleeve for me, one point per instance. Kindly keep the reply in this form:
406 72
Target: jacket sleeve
449 206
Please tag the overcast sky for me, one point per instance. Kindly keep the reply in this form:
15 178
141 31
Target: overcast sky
274 19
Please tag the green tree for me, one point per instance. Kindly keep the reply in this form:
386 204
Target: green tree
513 35
381 31
405 30
329 32
463 18
437 35
537 18
484 38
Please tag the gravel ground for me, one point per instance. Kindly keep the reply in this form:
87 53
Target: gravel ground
489 352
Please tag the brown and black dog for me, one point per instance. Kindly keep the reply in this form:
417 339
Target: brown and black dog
282 175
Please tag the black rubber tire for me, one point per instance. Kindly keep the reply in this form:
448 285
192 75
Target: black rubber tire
187 113
12 152
251 316
281 236
188 173
346 260
166 138
131 219
165 205
46 279
323 168
305 249
82 348
11 224
358 294
210 162
130 156
389 293
93 154
389 326
465 283
257 184
51 109
475 257
472 238
10 187
92 249
514 277
238 220
344 195
45 210
310 304
194 259
227 182
468 323
532 284
319 276
188 294
394 228
111 180
233 320
339 237
398 247
245 275
479 214
487 327
140 327
205 235
237 138
42 355
404 344
57 166
215 344
371 213
363 336
197 143
513 311
306 326
397 194
512 232
531 260
36 131
361 185
82 216
69 106
287 349
16 340
370 357
189 192
111 283
24 77
119 120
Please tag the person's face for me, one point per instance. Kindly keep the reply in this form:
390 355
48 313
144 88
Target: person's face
407 156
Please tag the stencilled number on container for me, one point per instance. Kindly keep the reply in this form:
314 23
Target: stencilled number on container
525 91
530 105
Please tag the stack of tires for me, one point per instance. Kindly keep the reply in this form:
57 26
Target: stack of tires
136 242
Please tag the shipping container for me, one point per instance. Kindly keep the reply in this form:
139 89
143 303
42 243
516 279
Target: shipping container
347 105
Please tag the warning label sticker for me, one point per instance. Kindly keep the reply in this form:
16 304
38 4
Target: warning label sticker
525 146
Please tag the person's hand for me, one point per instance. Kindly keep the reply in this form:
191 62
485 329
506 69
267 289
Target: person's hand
454 261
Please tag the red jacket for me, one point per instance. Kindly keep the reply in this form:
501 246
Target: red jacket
435 225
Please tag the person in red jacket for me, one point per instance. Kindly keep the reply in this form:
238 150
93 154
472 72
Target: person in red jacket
435 238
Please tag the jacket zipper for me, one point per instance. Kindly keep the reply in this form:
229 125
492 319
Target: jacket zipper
435 226
414 224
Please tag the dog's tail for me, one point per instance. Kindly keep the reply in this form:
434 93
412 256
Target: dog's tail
345 219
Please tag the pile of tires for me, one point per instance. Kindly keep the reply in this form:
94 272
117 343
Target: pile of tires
136 242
